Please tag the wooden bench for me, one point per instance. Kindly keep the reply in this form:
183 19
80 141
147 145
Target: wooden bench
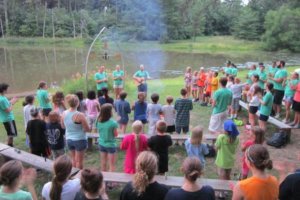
116 177
272 120
174 137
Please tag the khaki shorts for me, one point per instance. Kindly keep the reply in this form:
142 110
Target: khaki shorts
216 123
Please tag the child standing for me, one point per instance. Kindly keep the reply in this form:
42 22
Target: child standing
207 94
201 83
214 83
236 89
92 109
194 85
194 145
140 108
257 137
123 109
289 92
154 110
226 146
59 102
169 115
183 106
36 130
43 99
254 105
133 144
55 135
230 81
28 105
160 144
107 129
82 105
266 106
188 80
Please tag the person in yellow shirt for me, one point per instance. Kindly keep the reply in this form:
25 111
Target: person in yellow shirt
214 83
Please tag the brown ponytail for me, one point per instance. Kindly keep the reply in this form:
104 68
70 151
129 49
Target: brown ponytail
146 168
192 168
259 156
10 172
62 168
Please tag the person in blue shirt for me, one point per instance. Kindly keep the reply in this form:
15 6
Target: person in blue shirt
140 78
122 108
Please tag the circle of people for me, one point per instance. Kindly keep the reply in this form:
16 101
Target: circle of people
68 126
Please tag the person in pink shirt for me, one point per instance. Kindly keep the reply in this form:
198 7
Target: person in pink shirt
133 144
93 109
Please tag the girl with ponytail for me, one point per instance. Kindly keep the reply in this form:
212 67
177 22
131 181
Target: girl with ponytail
190 190
133 144
261 185
61 188
143 185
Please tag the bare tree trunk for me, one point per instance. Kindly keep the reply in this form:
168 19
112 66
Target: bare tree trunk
58 3
6 18
44 24
2 30
53 28
81 25
36 16
74 26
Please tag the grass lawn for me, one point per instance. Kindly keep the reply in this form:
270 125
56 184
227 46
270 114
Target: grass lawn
199 116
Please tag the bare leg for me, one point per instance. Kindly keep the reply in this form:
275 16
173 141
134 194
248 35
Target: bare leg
79 159
73 157
112 161
103 159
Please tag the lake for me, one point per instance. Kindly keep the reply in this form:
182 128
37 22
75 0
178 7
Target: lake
24 67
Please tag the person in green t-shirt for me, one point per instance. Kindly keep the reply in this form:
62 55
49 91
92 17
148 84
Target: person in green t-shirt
272 71
266 106
11 176
289 91
140 78
252 71
279 78
118 77
226 146
6 114
42 96
107 129
228 69
221 100
101 80
262 76
234 70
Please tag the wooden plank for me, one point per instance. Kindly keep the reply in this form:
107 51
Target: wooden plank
31 159
271 120
4 146
173 181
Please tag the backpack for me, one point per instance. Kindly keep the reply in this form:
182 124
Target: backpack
211 151
278 139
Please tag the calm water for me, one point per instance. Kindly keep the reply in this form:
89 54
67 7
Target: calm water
23 67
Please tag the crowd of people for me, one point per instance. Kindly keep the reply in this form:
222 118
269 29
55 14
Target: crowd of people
60 123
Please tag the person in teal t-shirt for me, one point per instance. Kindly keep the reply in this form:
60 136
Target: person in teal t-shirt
43 99
251 72
11 175
140 78
118 76
272 71
266 106
234 70
6 114
262 76
107 129
226 145
101 80
290 89
221 100
279 78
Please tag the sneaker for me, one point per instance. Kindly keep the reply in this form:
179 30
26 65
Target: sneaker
277 116
286 121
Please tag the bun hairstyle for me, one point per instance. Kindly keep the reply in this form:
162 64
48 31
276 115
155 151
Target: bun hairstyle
259 156
91 180
62 168
72 100
146 168
28 100
10 172
191 168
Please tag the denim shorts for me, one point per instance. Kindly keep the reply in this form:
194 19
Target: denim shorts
185 129
77 145
109 150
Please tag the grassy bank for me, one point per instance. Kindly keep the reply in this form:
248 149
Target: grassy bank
199 116
205 44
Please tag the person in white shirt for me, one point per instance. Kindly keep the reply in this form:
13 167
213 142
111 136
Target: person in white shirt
236 89
254 105
169 114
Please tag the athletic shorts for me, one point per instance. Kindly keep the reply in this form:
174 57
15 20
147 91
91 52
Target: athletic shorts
296 106
288 99
11 129
235 103
46 111
263 118
118 86
253 109
207 94
170 129
109 150
77 145
278 96
216 123
184 129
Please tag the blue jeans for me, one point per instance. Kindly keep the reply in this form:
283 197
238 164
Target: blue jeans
77 145
143 88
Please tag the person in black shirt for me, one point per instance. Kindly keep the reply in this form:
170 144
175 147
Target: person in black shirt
36 131
105 98
190 189
160 144
55 135
143 185
290 187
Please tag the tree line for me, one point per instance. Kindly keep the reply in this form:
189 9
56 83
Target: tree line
275 22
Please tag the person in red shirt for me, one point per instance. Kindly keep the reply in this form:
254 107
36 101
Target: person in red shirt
201 83
208 89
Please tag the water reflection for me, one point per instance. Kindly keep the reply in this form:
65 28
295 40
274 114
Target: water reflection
24 67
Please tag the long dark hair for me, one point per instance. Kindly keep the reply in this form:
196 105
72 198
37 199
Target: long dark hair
105 112
62 168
